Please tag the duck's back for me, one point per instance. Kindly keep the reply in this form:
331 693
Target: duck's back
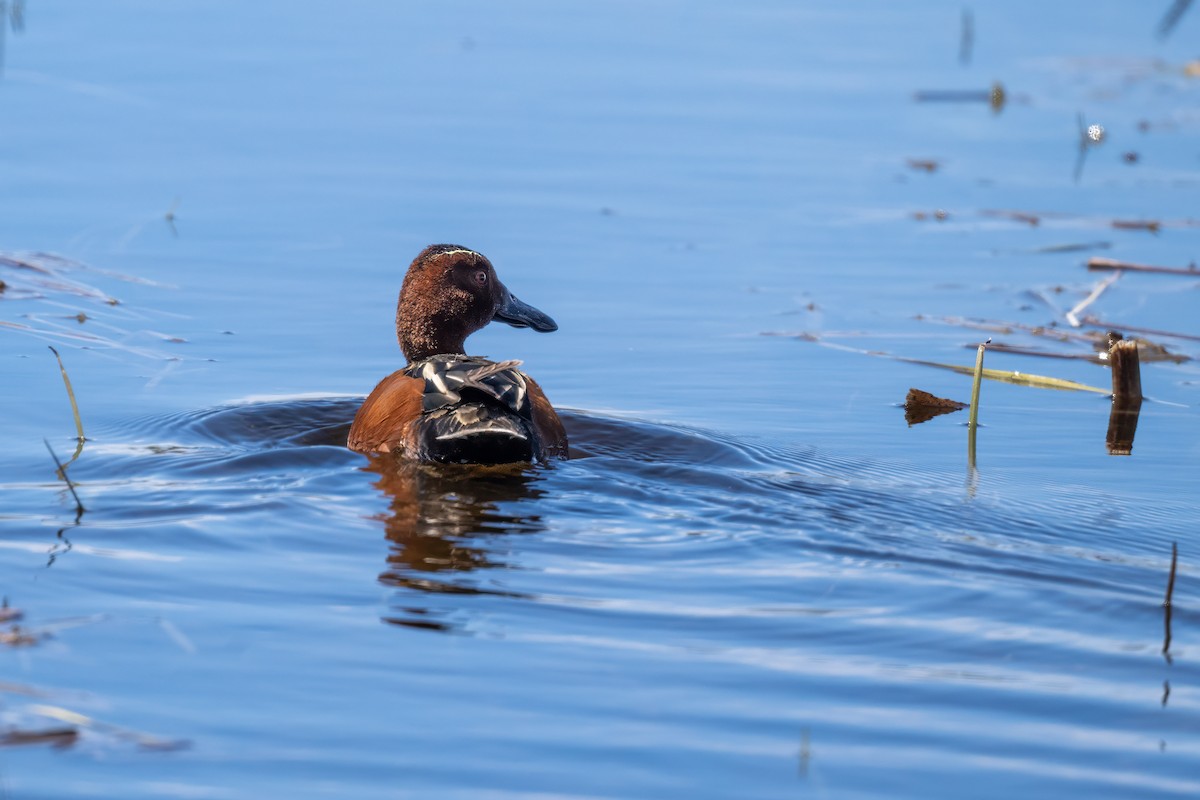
460 409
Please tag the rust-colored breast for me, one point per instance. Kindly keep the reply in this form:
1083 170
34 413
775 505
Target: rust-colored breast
549 428
384 423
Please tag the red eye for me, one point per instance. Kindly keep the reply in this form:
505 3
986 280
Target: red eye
480 278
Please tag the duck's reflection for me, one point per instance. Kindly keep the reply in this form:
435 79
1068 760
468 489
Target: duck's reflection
438 518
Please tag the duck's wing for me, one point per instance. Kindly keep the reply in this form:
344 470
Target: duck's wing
549 428
384 422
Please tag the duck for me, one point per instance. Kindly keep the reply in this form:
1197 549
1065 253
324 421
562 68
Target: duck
445 406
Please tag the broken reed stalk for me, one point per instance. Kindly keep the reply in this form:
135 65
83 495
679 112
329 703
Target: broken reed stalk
1097 264
70 395
974 419
1167 601
62 471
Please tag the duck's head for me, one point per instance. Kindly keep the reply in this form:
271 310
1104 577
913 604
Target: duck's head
449 293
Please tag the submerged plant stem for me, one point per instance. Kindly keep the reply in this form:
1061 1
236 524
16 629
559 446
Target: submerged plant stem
62 471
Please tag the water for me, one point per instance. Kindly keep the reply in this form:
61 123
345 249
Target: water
756 581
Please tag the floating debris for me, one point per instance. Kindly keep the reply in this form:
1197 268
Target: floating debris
16 636
1073 248
1099 323
1033 220
1073 314
1153 226
923 164
995 97
142 740
55 737
1097 264
921 406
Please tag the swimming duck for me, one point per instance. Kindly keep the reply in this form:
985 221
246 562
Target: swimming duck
446 406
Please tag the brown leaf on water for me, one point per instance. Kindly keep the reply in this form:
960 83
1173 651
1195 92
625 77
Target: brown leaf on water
921 406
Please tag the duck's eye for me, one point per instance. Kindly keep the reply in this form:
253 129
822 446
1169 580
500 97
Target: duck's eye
480 277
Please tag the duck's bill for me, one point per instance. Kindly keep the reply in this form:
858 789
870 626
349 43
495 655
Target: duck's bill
522 315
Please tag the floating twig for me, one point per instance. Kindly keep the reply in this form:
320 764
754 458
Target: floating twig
1004 376
1073 314
923 164
1151 225
142 740
1000 347
994 97
1099 323
62 471
70 395
1097 264
57 737
1077 247
1033 220
1003 327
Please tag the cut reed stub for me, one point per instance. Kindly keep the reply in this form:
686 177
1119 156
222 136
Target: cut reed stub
1127 394
1126 367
